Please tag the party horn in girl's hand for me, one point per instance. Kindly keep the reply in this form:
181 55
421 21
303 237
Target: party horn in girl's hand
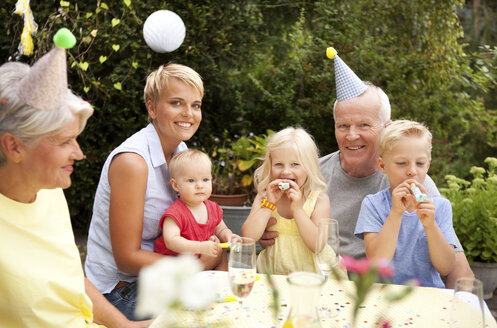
225 245
420 197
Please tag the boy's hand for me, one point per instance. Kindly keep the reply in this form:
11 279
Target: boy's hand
403 199
426 209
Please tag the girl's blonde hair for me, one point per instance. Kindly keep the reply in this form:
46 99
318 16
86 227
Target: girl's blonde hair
307 153
399 129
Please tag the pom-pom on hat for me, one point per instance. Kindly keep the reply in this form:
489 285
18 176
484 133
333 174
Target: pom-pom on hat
45 87
164 31
348 84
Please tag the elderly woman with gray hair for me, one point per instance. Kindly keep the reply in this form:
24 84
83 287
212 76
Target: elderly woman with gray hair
41 278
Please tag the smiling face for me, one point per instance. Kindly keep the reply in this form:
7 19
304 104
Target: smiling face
193 181
408 159
177 114
49 164
357 126
285 164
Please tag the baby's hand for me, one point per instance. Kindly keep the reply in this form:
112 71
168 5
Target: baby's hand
210 248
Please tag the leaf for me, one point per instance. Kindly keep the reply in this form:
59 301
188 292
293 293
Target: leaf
116 47
64 3
86 89
127 3
84 66
135 65
94 33
115 21
102 59
118 86
104 6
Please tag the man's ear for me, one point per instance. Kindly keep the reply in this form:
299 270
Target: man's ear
151 109
381 165
12 147
174 184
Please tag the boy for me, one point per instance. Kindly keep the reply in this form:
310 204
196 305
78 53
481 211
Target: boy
193 224
416 236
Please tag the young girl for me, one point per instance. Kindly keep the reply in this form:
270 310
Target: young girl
291 189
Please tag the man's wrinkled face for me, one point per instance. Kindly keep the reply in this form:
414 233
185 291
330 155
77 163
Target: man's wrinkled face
357 127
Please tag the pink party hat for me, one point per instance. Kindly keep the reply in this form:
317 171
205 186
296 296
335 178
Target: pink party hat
348 84
45 87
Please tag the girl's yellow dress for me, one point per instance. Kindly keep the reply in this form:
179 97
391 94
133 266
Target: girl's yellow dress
289 253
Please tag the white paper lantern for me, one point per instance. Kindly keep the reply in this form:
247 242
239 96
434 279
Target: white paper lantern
164 31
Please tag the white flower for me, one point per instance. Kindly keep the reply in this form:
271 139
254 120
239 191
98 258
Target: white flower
197 293
160 285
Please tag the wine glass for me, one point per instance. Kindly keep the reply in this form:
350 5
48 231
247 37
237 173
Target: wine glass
242 267
467 307
326 254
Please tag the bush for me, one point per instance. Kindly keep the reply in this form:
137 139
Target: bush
264 67
475 211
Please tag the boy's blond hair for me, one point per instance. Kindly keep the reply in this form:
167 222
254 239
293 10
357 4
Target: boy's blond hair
307 152
158 80
399 129
187 156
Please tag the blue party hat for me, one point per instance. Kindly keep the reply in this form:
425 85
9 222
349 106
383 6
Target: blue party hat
348 84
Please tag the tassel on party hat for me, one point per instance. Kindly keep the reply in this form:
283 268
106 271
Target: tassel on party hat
348 84
45 87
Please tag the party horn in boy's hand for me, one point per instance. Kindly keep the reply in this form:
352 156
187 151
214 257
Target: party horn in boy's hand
420 197
225 245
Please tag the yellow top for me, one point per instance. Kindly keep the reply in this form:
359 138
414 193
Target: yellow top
41 277
289 253
331 52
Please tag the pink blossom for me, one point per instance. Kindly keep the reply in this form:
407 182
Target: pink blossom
360 266
384 268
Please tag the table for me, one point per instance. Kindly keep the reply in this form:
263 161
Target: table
424 307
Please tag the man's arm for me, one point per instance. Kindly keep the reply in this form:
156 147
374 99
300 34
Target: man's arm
268 237
461 269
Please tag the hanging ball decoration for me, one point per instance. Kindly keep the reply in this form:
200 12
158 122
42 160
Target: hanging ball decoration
164 31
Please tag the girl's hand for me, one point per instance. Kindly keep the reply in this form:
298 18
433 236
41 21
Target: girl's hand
295 195
403 199
273 191
426 209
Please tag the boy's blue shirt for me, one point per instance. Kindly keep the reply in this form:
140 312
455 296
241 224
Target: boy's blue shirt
411 258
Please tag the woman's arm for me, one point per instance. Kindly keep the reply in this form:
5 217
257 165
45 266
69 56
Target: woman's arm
128 182
106 314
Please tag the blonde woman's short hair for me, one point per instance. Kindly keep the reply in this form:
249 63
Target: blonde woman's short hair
187 156
158 80
399 129
307 153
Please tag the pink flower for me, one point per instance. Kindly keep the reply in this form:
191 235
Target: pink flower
360 266
384 268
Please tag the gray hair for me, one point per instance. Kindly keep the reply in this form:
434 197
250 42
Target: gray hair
30 124
385 108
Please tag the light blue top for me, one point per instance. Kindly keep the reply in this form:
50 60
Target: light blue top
100 266
411 258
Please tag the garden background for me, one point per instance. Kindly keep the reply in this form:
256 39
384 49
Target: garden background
264 67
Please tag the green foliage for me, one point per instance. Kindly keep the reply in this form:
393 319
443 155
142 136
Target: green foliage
475 211
264 67
235 160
